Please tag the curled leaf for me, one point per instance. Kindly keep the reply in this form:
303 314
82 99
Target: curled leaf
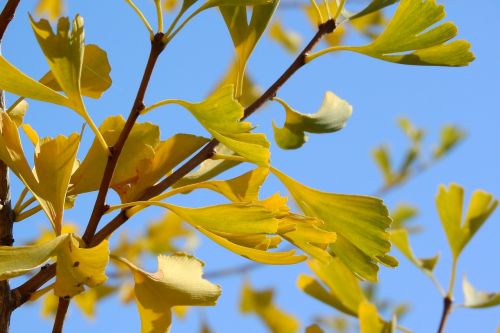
478 299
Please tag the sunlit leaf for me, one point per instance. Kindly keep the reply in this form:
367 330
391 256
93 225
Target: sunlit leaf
250 90
449 204
262 304
369 321
95 77
402 214
331 117
411 38
412 132
478 299
77 266
220 114
314 329
344 292
245 33
18 112
451 136
400 239
374 6
381 156
178 281
288 39
53 8
360 222
162 236
138 147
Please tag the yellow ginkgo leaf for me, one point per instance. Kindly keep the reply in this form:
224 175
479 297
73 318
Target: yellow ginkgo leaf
178 281
138 147
95 77
449 204
220 114
369 321
262 304
400 239
162 236
53 8
18 111
54 162
78 266
290 40
360 222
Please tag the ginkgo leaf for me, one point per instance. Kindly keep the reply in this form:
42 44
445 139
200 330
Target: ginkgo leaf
288 39
178 281
360 222
381 156
374 6
400 239
54 161
245 33
138 147
250 91
402 214
220 114
167 155
369 321
17 113
411 38
242 188
331 117
95 77
163 236
309 237
344 291
76 266
450 137
262 304
53 8
314 329
449 204
478 299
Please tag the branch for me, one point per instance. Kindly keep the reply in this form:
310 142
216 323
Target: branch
7 15
447 303
62 309
208 151
99 208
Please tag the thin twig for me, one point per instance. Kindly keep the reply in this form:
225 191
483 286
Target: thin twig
62 309
447 304
7 15
156 48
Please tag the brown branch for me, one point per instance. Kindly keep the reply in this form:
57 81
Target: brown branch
447 303
62 309
157 47
205 153
208 151
7 15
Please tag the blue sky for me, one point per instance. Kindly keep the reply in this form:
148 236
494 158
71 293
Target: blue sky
379 92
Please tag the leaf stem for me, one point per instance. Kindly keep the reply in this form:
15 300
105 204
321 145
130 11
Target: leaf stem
62 309
20 199
453 275
448 299
24 205
142 17
159 14
318 11
28 213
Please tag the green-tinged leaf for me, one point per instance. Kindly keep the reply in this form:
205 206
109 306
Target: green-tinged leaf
138 148
369 321
162 236
382 158
373 7
449 204
245 33
288 39
76 266
413 133
402 214
262 304
331 117
269 258
360 222
17 113
19 260
310 237
478 299
178 281
411 38
220 114
167 155
250 90
344 292
242 188
209 168
451 136
400 239
52 8
95 77
54 162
